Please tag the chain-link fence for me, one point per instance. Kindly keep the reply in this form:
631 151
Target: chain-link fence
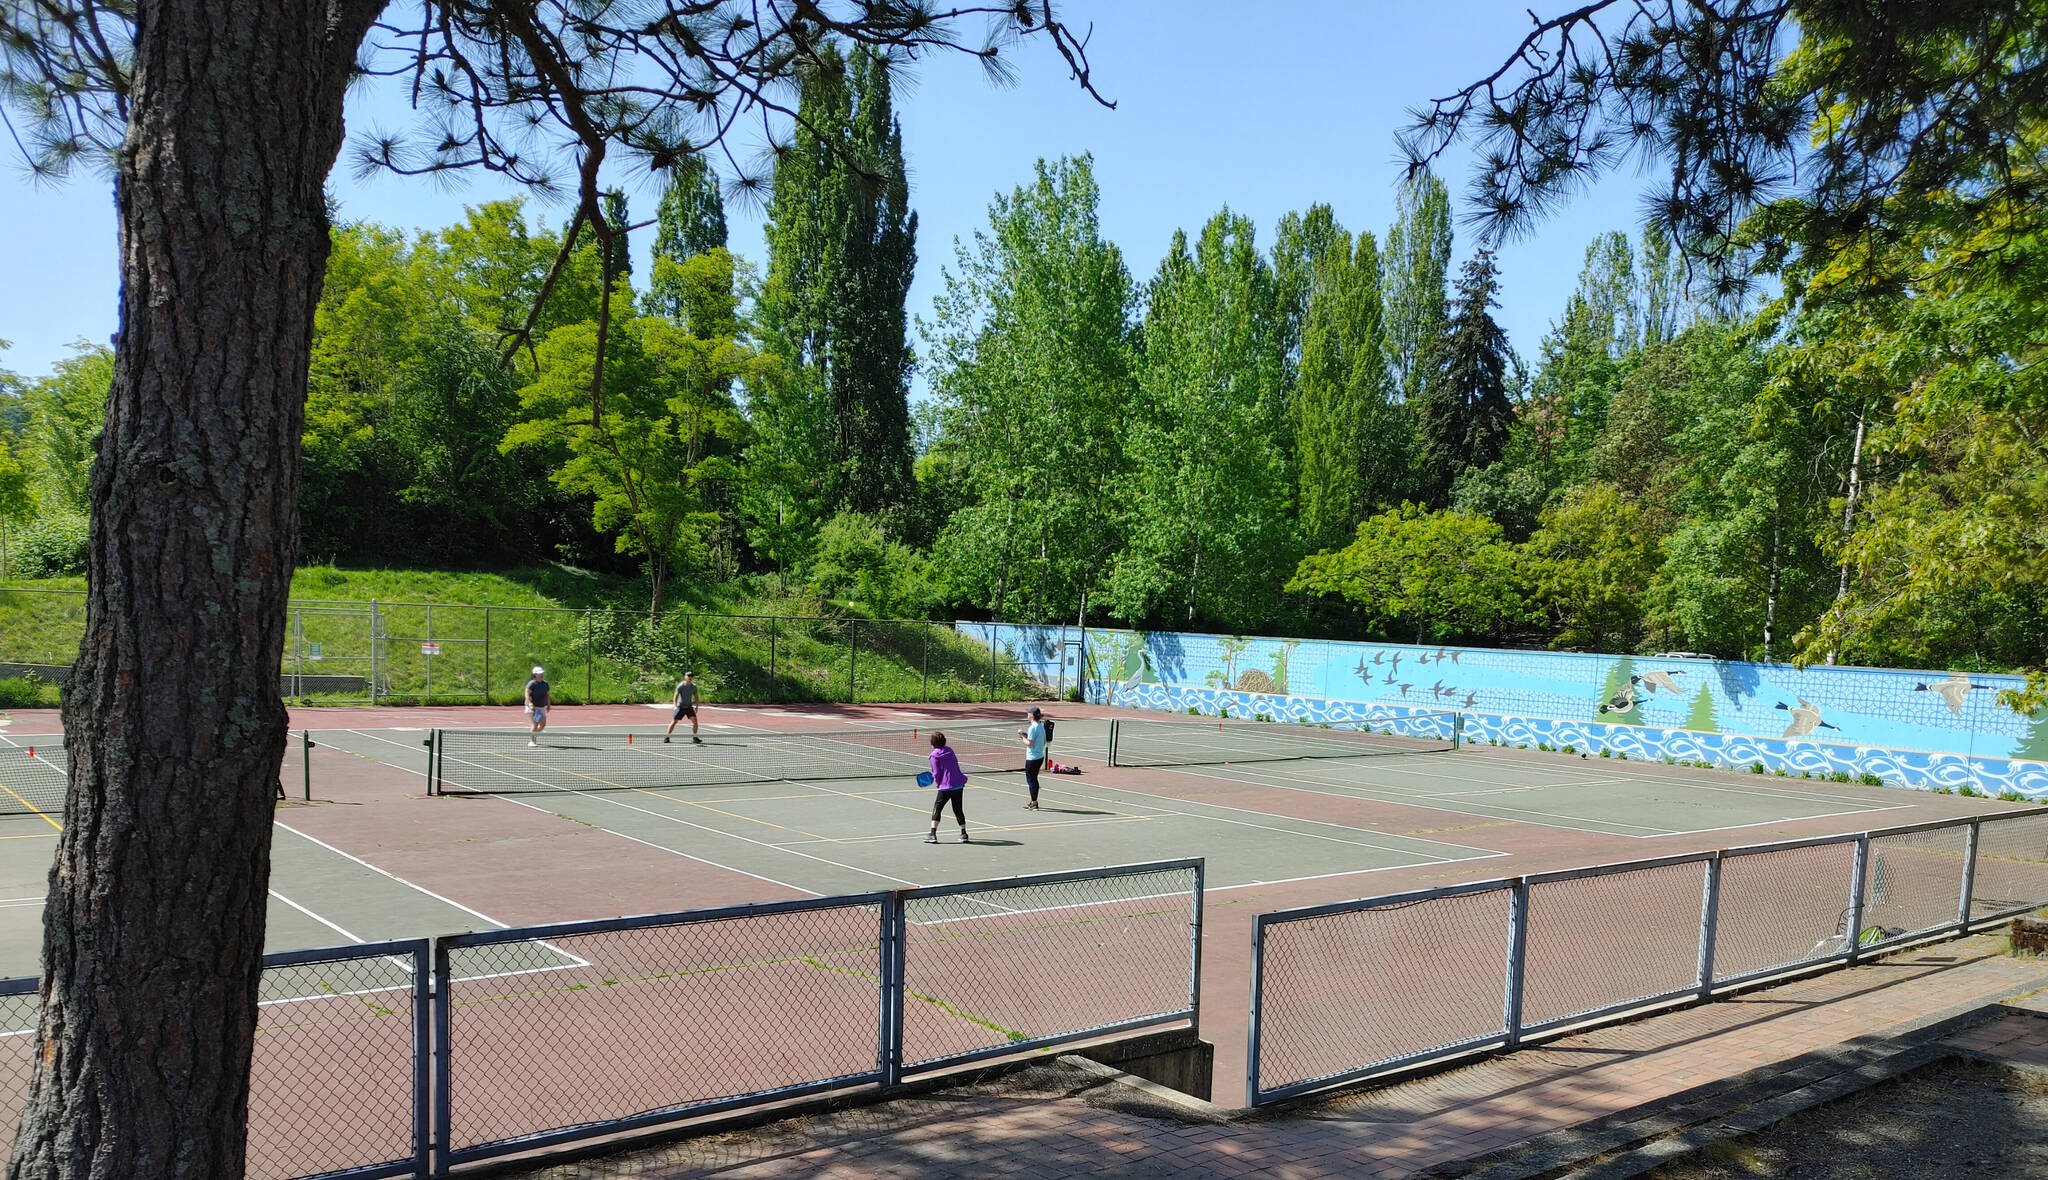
1343 992
401 652
337 1081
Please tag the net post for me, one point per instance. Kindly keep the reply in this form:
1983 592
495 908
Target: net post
487 655
433 744
306 761
589 655
1457 731
1111 757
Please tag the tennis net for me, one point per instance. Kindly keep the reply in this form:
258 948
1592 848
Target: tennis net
32 779
1138 742
500 761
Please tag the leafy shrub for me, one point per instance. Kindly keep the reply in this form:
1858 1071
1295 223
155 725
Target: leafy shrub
49 547
21 692
1871 780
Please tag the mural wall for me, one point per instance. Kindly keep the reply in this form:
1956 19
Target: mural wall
1921 729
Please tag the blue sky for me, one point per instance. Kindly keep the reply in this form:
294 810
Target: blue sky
1264 108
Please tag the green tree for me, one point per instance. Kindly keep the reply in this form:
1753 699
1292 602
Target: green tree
1433 575
834 431
1591 562
1031 354
1206 496
664 436
1463 413
66 411
689 221
1418 261
1351 452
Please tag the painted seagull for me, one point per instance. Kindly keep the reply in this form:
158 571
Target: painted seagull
1805 717
1405 688
1624 698
1422 659
1377 657
1396 665
1454 657
1390 678
1471 698
1362 673
1440 655
1663 680
1954 690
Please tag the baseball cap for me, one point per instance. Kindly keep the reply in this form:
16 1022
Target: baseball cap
539 671
1033 710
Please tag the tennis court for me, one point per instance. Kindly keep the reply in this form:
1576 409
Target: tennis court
604 819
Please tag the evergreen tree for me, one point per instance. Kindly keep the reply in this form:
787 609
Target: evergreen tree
1464 413
1418 259
690 221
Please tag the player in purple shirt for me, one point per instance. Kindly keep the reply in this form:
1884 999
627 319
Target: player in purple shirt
948 785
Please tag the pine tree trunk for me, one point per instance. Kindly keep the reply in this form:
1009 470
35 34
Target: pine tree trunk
1771 593
153 935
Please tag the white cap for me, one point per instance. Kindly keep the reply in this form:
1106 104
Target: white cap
540 671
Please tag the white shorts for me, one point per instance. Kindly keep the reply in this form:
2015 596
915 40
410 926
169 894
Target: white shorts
539 715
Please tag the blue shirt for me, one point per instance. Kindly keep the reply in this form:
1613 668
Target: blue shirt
537 693
1034 740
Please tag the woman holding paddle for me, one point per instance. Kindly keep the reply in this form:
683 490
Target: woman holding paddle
948 785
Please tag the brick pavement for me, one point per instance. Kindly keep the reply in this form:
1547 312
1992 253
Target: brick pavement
1058 1120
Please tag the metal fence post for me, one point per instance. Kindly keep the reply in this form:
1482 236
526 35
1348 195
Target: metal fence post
852 654
1710 919
924 664
1518 951
427 659
1969 878
376 649
1858 871
306 760
772 619
442 1134
299 654
1195 954
1251 1054
893 933
991 661
589 655
487 655
423 993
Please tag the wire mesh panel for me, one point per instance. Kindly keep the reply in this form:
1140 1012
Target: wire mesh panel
2012 865
33 778
891 660
338 1078
557 640
1201 743
734 656
1782 908
1913 883
18 1003
555 1033
1342 991
998 967
1600 943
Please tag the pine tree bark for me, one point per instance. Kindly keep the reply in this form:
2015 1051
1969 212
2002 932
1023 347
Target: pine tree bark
153 936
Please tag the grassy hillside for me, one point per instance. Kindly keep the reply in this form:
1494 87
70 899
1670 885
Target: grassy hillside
591 631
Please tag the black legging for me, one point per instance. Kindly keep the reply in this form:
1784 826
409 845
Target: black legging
953 796
1031 768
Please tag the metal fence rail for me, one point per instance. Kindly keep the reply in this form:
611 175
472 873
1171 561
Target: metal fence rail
410 1058
1347 991
378 651
337 1084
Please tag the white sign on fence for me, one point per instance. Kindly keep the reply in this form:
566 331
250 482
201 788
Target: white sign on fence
430 649
312 651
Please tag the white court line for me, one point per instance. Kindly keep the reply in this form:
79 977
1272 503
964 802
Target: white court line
334 926
577 960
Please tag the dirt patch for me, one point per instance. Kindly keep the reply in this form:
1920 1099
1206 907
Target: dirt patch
1957 1117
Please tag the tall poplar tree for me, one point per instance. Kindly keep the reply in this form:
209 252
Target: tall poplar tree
1418 259
1349 440
1464 413
690 221
833 430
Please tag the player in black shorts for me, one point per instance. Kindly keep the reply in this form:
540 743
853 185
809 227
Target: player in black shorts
686 706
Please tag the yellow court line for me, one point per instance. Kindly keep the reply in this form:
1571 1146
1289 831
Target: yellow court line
34 835
33 809
984 829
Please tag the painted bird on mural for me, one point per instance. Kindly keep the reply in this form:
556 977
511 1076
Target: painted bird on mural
1663 680
1471 698
1362 673
1955 690
1378 656
1405 688
1624 698
1805 718
1390 678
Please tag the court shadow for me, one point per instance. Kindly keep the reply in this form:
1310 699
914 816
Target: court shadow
978 840
1075 811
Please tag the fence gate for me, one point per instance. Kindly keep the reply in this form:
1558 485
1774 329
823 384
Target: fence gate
332 653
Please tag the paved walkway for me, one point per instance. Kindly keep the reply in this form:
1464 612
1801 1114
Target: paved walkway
1059 1120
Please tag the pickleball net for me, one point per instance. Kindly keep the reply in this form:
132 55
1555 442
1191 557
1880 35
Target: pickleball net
1144 742
32 779
500 762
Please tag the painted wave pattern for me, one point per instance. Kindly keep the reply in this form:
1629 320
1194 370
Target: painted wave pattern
1904 768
